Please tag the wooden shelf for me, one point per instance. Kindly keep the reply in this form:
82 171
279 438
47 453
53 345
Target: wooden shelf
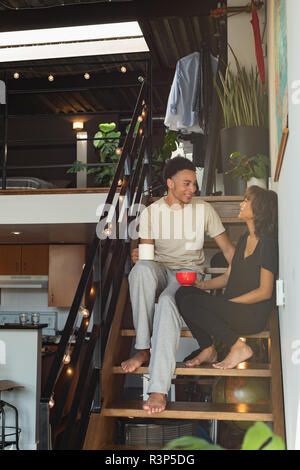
193 410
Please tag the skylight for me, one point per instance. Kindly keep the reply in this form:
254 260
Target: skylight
101 39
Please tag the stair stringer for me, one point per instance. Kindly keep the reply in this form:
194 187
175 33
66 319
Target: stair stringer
101 429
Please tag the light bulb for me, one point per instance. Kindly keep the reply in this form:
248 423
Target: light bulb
140 118
118 151
51 402
69 371
87 76
67 358
50 77
123 69
16 75
84 312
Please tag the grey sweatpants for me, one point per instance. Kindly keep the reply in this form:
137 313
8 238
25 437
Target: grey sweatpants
158 329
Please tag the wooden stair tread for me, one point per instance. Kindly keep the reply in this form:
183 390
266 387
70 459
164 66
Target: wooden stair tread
193 410
185 333
245 369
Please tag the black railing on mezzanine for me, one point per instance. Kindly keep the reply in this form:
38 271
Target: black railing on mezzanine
71 386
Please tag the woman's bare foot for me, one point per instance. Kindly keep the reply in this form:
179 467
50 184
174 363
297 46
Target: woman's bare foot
134 362
239 352
156 403
207 355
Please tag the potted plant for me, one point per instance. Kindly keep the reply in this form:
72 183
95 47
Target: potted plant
245 109
159 158
106 141
254 170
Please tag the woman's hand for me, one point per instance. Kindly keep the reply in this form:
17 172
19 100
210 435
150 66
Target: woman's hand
199 284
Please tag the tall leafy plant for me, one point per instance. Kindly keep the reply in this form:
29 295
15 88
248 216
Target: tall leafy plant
242 97
106 141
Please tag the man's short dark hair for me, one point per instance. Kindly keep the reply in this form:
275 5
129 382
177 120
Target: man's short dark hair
174 165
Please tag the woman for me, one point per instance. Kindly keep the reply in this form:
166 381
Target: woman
249 294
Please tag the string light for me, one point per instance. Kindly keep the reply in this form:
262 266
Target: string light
67 358
118 151
84 312
16 75
123 69
140 118
87 76
50 77
51 402
69 371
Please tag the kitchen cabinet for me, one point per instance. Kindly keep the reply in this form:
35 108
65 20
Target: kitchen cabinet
24 259
65 267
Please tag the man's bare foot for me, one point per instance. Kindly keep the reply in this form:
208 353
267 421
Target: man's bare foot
207 355
156 403
134 362
239 352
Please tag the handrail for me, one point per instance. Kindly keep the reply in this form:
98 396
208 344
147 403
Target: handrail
133 149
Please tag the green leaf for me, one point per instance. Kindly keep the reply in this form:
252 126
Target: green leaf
234 155
78 165
191 443
260 437
107 127
98 141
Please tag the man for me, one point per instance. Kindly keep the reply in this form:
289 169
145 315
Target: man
176 225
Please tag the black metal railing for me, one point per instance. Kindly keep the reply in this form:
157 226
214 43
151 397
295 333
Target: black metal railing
72 386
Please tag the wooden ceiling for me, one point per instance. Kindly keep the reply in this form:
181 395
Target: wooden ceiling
171 32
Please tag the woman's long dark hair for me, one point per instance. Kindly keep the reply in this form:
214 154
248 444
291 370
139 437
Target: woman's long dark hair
264 205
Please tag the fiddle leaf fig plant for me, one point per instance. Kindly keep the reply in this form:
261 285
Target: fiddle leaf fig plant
106 141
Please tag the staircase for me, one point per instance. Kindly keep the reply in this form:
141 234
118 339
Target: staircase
100 434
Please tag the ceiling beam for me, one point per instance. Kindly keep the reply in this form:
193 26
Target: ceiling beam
104 12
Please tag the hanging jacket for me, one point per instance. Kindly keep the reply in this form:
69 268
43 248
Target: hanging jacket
183 106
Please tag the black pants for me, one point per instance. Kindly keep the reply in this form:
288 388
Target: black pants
215 316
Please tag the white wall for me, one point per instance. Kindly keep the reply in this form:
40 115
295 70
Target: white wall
289 230
240 34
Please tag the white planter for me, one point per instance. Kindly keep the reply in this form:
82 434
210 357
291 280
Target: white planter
257 182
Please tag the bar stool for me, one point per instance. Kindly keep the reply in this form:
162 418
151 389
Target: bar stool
7 385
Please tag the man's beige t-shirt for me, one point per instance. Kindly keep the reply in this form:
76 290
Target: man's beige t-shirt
178 233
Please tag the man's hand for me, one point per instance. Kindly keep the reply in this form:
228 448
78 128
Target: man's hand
135 255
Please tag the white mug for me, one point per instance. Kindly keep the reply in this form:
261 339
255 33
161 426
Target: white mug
146 251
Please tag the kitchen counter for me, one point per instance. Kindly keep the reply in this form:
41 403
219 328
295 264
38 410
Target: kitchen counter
18 326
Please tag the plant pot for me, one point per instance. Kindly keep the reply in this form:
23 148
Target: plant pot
248 140
257 182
